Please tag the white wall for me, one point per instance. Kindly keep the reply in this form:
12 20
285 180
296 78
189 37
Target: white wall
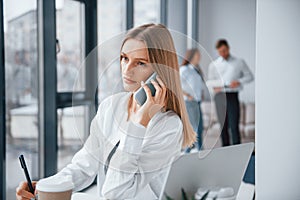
176 22
235 21
278 99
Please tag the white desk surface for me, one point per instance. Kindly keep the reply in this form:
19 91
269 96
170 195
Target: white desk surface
83 196
246 191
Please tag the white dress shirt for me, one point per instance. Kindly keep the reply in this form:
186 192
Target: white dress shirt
230 70
139 166
191 82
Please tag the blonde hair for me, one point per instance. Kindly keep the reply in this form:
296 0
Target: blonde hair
162 55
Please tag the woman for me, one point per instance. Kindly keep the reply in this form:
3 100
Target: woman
192 86
130 146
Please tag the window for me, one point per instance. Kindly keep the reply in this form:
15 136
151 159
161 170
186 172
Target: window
111 27
147 11
71 121
70 40
20 28
23 132
72 125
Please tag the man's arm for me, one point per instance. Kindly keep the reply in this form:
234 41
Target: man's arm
247 76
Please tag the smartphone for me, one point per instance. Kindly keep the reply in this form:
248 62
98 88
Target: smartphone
140 95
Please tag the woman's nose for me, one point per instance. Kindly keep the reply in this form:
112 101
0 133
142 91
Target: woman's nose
128 66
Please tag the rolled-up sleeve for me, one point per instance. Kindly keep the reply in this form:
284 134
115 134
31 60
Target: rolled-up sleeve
141 155
247 75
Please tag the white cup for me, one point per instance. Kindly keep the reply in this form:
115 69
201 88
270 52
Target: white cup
55 187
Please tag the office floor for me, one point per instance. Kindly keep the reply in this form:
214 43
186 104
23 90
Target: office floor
14 173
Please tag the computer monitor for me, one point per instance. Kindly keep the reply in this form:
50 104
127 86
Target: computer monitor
222 167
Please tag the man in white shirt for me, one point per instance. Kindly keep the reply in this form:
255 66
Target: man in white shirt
234 73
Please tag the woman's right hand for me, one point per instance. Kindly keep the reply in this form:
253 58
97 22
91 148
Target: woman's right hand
153 104
22 192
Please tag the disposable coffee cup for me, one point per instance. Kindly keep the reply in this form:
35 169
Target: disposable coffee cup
54 187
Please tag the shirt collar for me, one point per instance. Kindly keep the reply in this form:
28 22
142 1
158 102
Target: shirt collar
223 59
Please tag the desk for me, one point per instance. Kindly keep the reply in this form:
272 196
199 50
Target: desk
83 196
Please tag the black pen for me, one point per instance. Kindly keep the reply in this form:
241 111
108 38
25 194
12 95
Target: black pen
23 165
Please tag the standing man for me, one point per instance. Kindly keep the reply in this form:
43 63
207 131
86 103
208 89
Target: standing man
234 73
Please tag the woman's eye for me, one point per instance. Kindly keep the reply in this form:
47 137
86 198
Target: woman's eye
141 63
124 58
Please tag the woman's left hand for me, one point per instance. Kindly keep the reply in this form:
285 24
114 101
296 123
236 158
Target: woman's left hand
153 104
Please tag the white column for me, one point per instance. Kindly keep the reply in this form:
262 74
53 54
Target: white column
278 99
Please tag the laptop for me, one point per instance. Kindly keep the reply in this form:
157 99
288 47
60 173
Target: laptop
220 167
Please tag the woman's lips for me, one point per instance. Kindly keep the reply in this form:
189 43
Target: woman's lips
128 81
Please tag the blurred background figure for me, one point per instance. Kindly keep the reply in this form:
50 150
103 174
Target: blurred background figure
234 73
192 85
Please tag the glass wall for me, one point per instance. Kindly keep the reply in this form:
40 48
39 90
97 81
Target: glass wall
147 11
72 123
70 45
20 27
111 27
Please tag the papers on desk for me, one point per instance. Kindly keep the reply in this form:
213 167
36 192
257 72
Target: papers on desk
215 193
83 196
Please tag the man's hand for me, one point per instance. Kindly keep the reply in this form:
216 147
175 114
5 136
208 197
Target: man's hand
218 89
235 84
22 192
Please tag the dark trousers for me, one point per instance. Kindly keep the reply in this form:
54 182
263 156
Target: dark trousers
228 111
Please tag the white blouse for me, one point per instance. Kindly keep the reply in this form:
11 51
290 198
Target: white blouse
138 168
